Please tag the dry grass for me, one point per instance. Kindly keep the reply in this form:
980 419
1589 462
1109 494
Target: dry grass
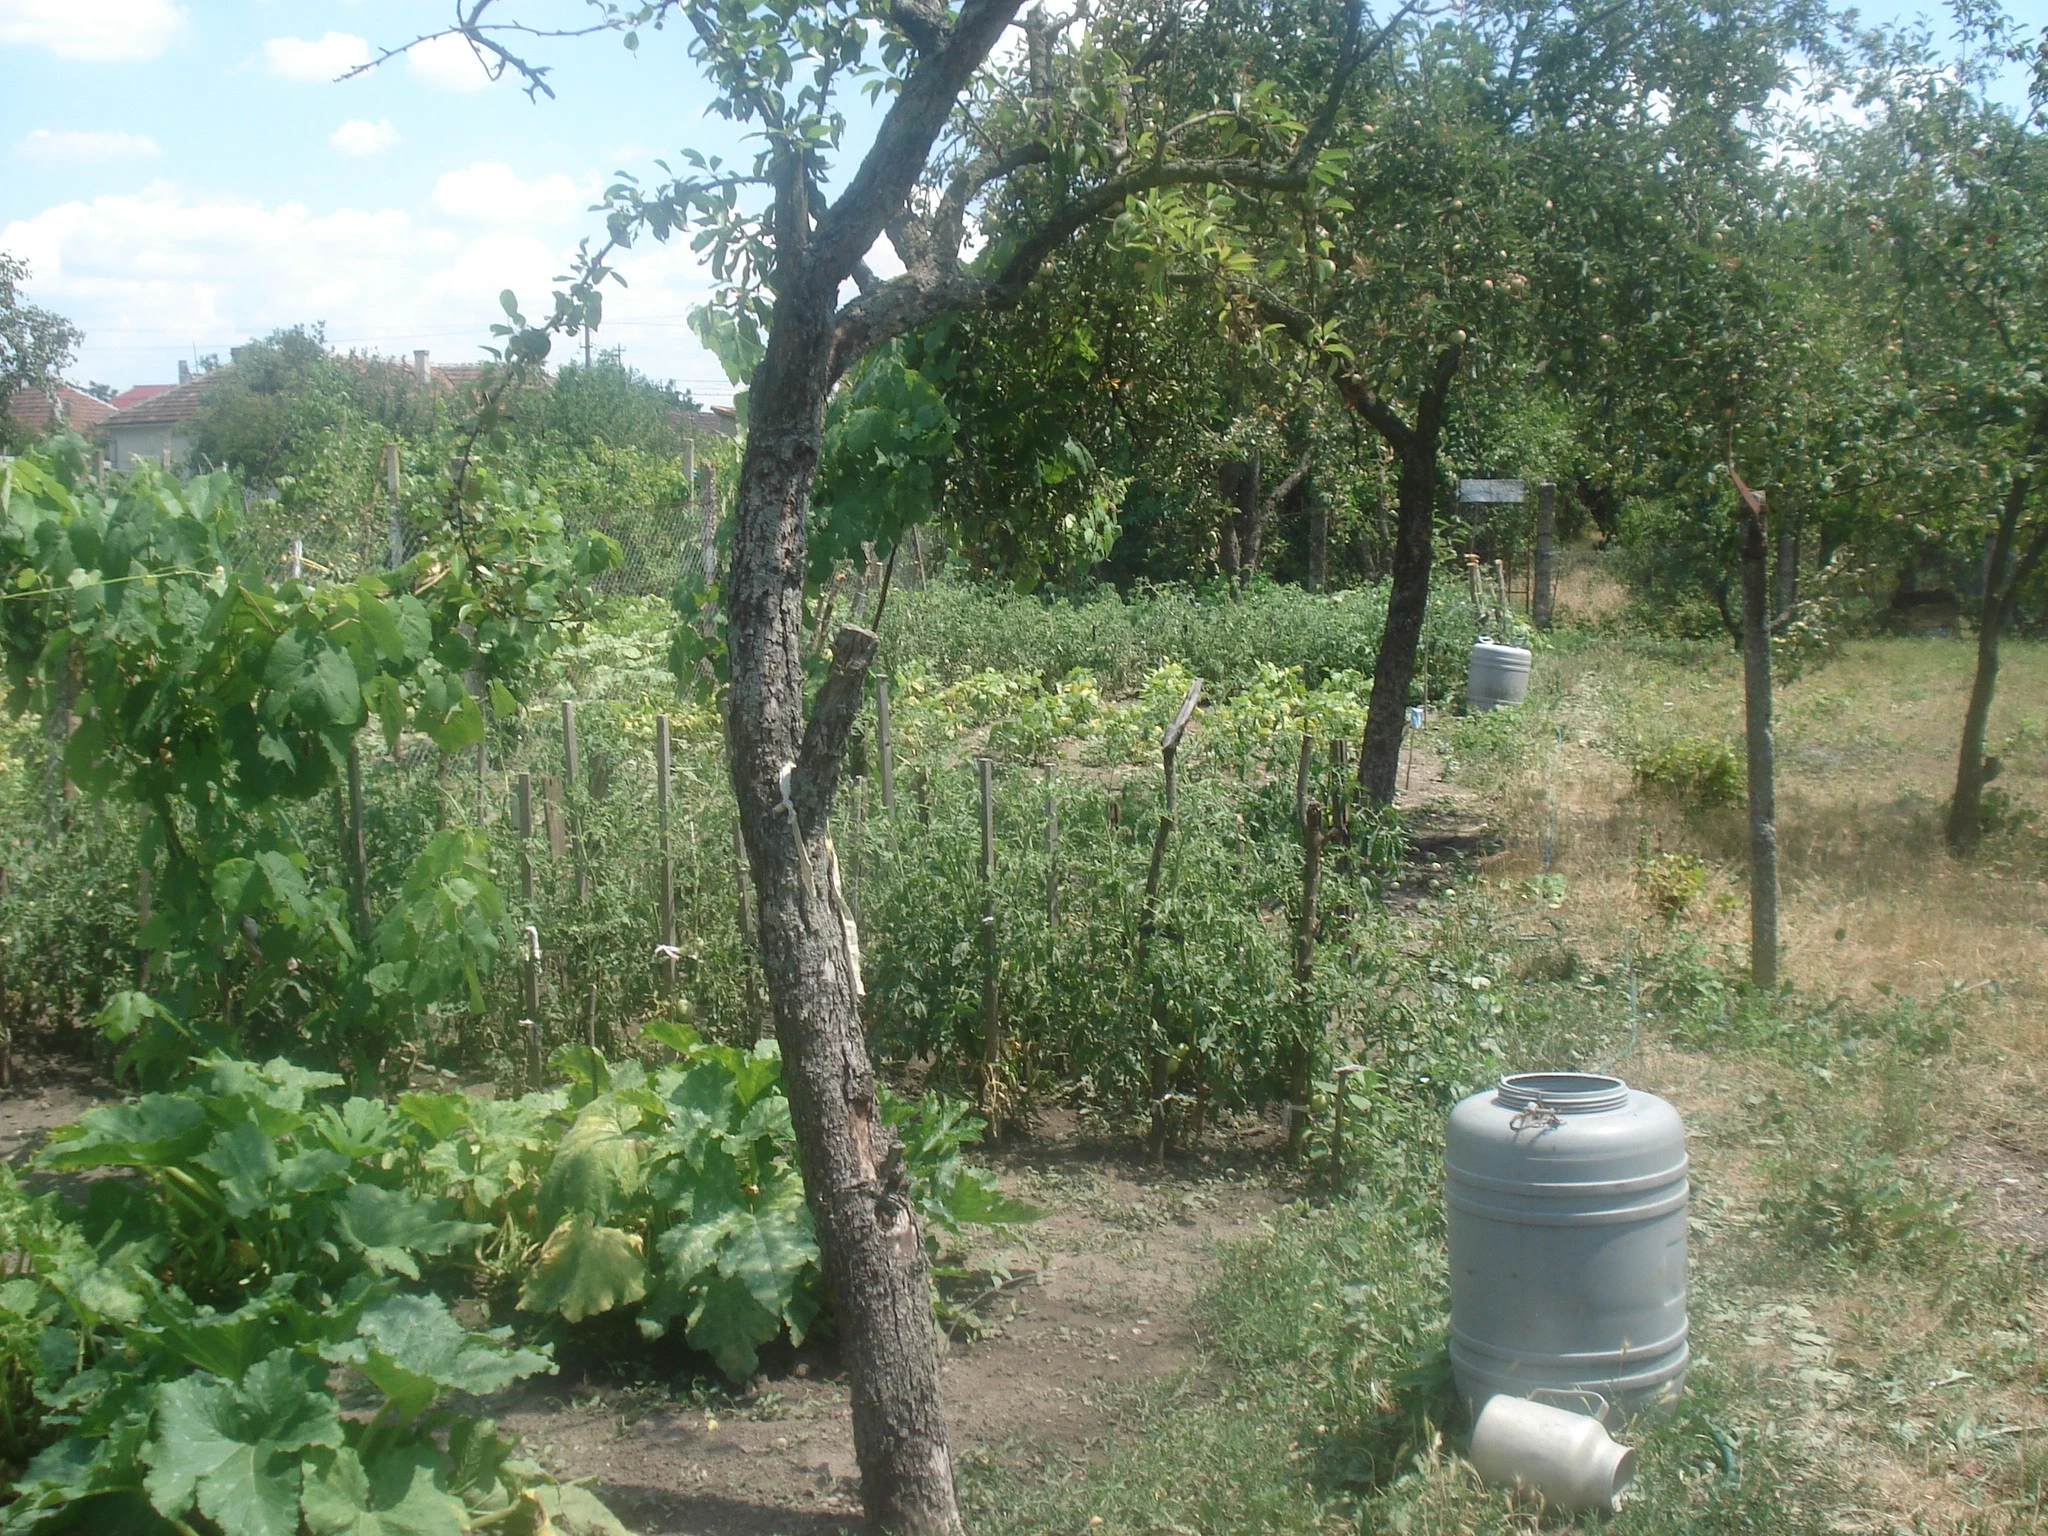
1872 903
1866 753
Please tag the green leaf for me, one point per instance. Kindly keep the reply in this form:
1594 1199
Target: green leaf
448 714
583 1270
400 1493
596 1167
729 1325
981 1204
232 1449
389 1226
156 1129
772 1246
691 1247
414 1350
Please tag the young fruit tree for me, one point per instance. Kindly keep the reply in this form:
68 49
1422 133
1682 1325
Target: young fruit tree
1064 124
1942 189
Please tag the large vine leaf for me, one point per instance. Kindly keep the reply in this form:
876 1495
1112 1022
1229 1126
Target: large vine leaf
399 1493
233 1450
583 1270
388 1227
413 1349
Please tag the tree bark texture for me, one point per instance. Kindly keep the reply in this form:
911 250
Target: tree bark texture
1543 581
2003 578
1756 698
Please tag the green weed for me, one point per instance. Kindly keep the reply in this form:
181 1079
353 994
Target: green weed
1693 770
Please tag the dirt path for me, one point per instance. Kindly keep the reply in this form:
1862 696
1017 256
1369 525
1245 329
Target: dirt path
1113 1269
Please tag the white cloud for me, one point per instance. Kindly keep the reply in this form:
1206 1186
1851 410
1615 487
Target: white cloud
96 30
491 192
313 58
151 276
359 136
65 145
449 63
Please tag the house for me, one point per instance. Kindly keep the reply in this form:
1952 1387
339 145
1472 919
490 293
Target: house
61 408
160 426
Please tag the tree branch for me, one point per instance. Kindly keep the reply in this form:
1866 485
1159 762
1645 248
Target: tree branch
833 713
915 299
903 143
1287 487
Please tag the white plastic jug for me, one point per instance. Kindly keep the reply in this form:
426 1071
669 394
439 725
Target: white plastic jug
1567 1459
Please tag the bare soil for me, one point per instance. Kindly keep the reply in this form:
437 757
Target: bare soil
1100 1301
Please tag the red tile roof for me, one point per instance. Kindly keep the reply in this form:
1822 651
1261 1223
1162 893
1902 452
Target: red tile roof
69 407
168 407
138 394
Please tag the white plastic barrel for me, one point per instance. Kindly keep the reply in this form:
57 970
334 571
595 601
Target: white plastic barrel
1566 1196
1497 676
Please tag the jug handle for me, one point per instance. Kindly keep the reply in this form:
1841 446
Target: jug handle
1578 1400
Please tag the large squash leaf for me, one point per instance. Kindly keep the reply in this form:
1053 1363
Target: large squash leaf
389 1227
413 1349
729 1325
596 1167
400 1493
234 1450
583 1270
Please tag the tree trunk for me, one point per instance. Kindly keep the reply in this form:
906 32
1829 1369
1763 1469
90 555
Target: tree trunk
1379 757
1543 578
1756 696
2002 580
870 1246
1251 520
1318 539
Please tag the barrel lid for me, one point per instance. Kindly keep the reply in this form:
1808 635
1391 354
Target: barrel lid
1500 649
1569 1093
1563 1128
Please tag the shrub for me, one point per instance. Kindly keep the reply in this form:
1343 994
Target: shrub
1694 770
1672 882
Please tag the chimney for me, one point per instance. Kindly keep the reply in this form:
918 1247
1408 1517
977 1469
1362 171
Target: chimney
184 371
419 365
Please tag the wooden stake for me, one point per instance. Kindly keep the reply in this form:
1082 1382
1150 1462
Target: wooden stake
668 882
1147 913
1169 747
1543 578
1052 848
569 743
883 745
991 1016
1304 974
1756 694
522 819
358 857
530 997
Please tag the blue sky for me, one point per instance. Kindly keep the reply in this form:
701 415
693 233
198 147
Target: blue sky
184 174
